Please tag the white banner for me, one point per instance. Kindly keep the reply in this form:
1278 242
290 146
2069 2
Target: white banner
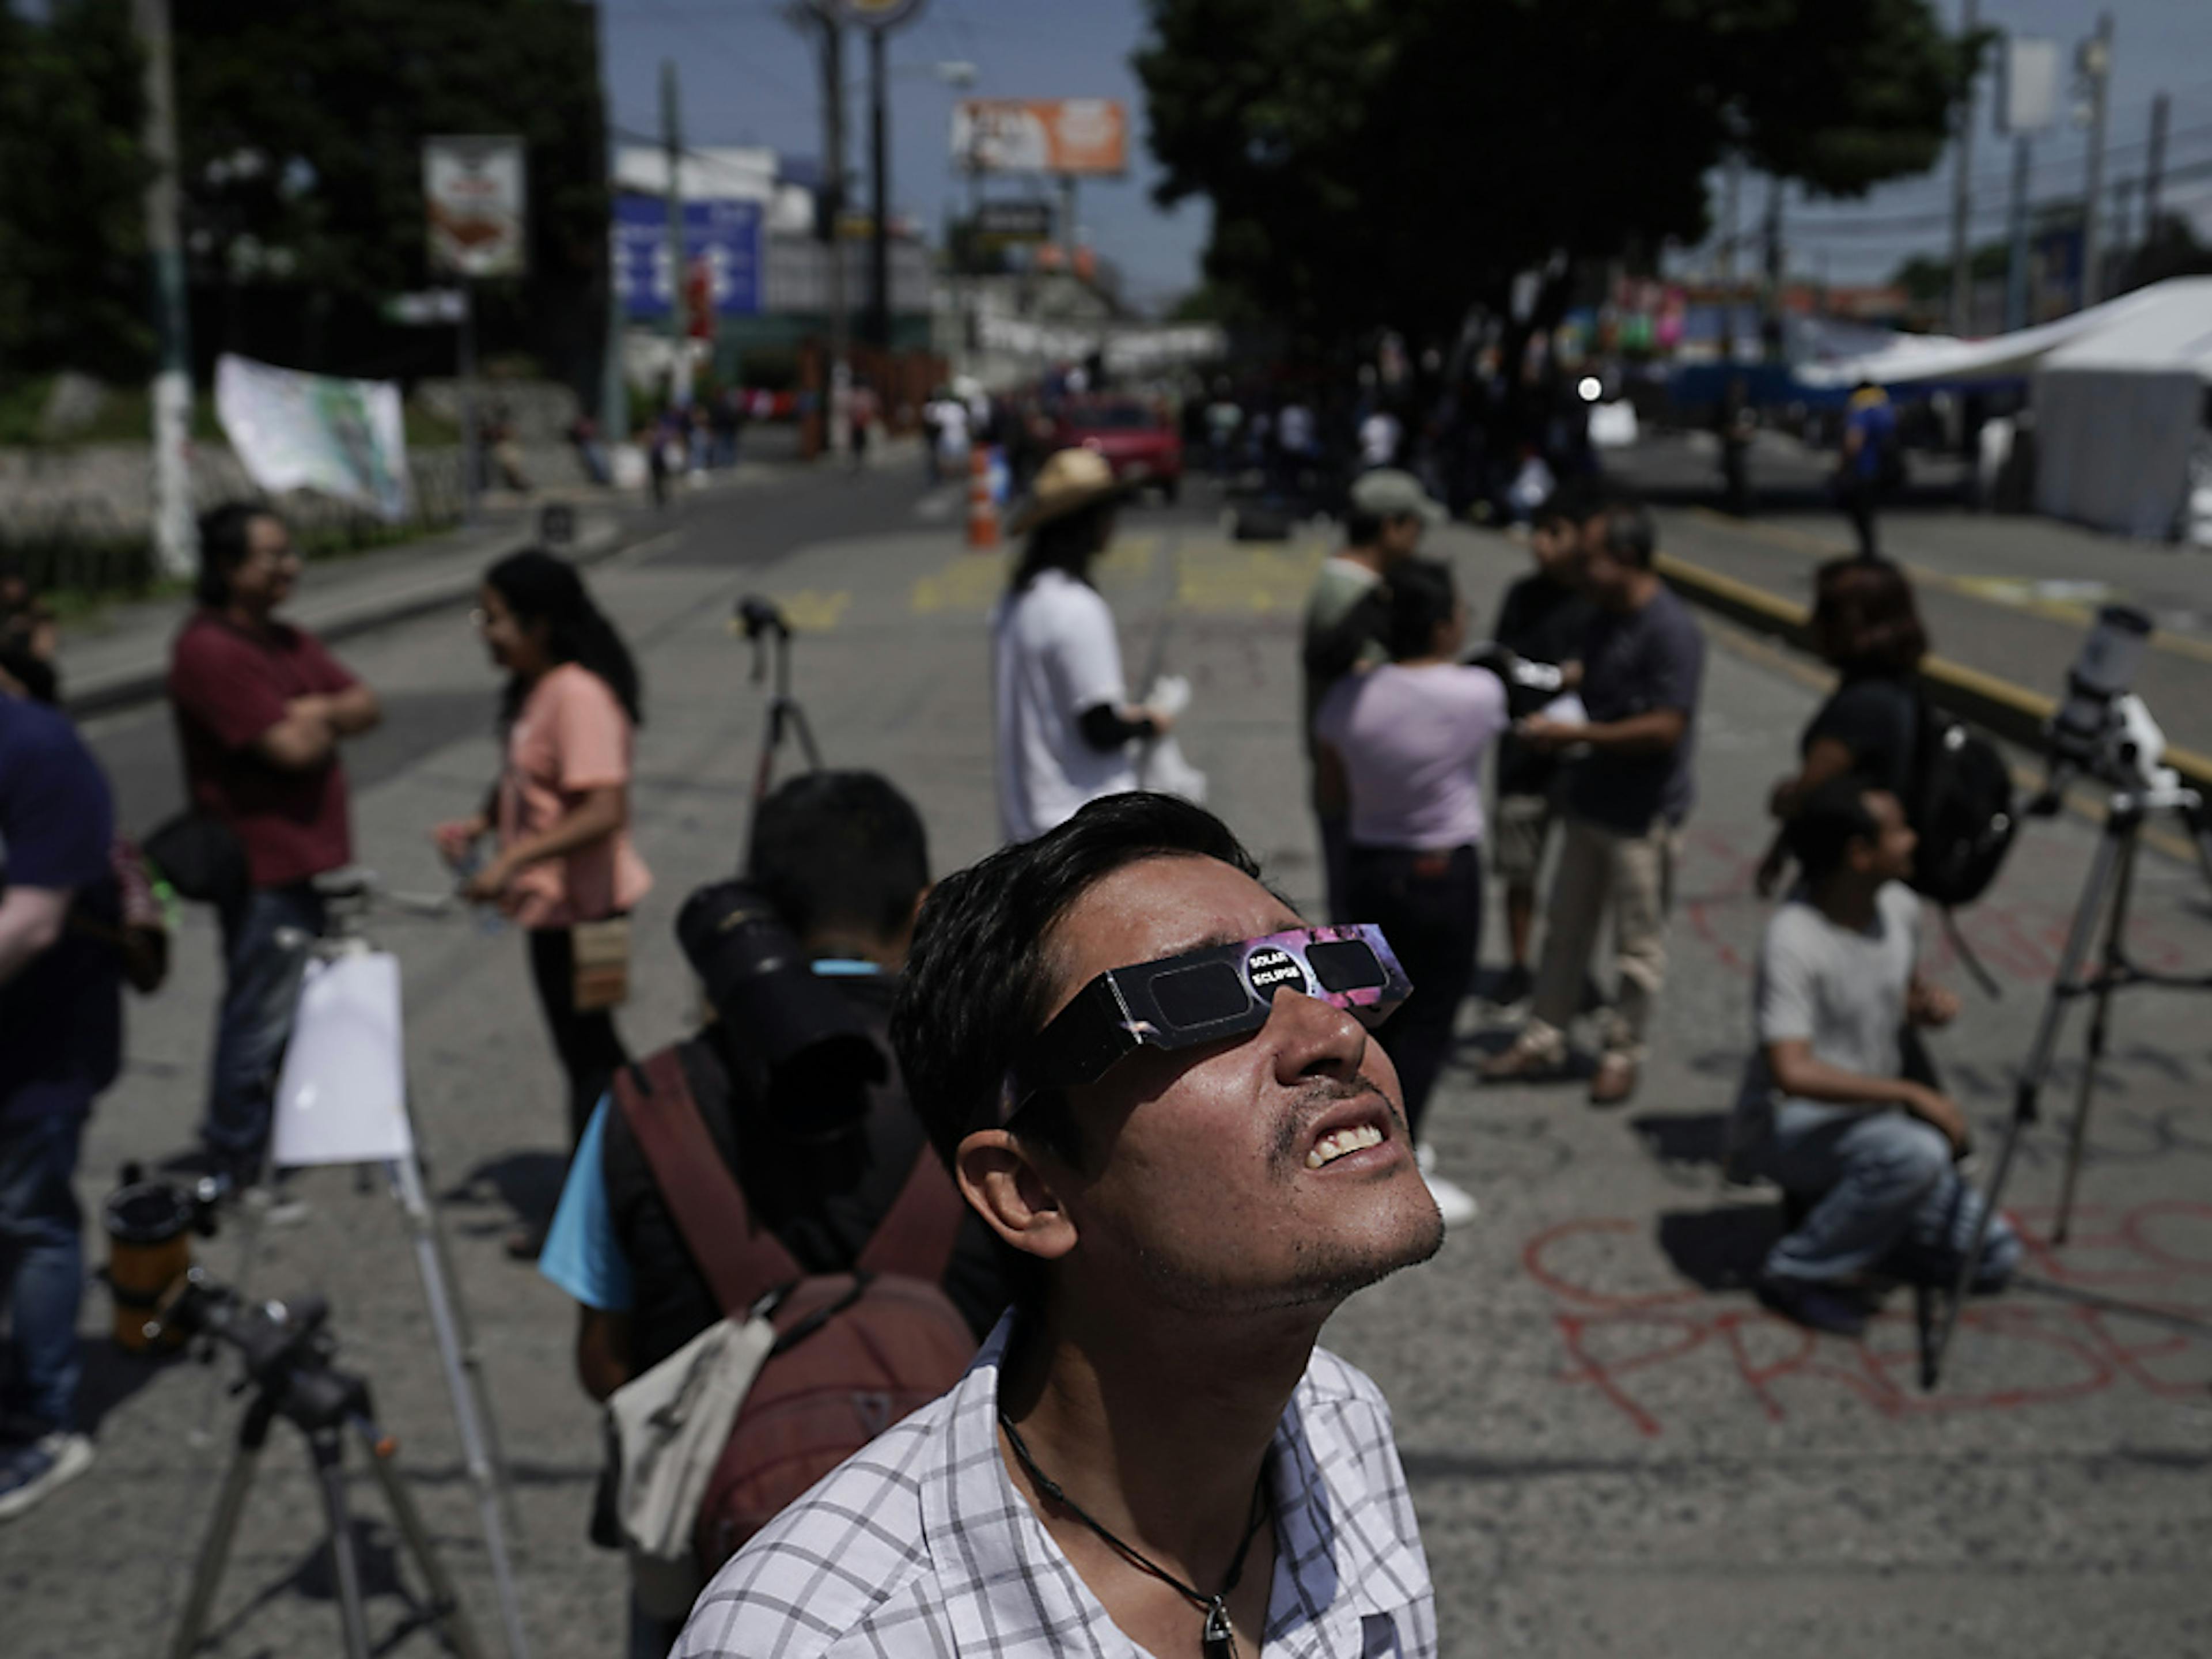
294 431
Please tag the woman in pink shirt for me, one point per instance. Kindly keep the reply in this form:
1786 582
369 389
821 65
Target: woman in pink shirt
561 808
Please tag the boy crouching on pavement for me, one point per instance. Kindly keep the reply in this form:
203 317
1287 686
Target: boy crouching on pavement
1826 1111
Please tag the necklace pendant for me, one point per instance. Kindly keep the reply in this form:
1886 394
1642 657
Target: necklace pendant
1216 1640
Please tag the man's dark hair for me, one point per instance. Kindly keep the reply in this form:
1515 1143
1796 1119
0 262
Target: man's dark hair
226 537
1825 823
1570 503
1361 528
982 974
1629 535
1422 598
842 849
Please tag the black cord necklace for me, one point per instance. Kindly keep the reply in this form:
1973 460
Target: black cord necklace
1216 1640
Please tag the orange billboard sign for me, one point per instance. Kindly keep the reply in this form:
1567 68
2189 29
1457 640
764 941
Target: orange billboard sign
1041 135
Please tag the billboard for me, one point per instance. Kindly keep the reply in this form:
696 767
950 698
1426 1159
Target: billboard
294 431
1041 135
473 190
722 240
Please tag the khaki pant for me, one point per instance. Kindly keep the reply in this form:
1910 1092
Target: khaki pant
1637 875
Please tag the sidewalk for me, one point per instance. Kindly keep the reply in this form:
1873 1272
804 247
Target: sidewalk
119 656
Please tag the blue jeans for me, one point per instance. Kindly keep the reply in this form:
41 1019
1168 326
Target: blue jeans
41 1268
1886 1193
261 984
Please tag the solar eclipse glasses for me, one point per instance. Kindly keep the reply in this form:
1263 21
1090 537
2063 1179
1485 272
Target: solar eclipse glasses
1203 996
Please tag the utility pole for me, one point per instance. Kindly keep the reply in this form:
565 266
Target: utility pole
672 140
2154 169
879 169
1728 200
1776 262
2095 60
176 536
833 202
614 389
1962 275
2016 262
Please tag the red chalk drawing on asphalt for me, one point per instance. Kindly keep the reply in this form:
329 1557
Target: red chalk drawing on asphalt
1624 1318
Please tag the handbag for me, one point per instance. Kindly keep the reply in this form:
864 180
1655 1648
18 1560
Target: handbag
200 857
601 965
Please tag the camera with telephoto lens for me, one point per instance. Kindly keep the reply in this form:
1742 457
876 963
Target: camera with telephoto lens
810 1056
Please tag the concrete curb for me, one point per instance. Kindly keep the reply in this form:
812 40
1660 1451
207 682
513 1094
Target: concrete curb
2010 712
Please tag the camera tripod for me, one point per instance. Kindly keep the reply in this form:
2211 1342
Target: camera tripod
292 1379
2107 893
770 632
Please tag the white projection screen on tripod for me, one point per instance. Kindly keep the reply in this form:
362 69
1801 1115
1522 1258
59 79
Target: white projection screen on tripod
342 1096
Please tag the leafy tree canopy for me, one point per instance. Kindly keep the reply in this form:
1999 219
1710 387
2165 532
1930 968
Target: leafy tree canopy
1387 162
72 226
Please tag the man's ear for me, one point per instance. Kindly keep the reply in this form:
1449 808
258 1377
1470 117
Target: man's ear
1004 1183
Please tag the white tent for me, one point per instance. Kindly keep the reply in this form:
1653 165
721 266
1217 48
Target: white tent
2119 411
1921 358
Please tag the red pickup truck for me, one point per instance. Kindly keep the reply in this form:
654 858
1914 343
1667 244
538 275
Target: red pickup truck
1137 442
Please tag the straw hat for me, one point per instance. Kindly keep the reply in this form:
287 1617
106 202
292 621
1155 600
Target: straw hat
1070 480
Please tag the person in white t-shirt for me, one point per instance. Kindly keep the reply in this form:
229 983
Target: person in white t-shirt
1066 725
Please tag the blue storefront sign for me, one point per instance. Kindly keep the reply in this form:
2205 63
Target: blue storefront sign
725 235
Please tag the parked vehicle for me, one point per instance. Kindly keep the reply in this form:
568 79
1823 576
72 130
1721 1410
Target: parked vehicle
1139 443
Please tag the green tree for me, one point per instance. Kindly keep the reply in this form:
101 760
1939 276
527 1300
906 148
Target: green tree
73 278
301 127
1378 163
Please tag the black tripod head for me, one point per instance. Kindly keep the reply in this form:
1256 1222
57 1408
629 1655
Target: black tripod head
286 1347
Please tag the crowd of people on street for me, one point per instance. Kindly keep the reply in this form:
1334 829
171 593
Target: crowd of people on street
892 1126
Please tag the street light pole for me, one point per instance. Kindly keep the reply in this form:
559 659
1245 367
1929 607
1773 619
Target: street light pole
176 539
833 193
2097 70
879 169
1962 276
2016 261
671 138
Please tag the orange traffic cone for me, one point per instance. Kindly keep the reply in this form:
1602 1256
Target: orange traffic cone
982 510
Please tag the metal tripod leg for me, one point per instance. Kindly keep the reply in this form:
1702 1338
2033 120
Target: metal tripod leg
445 1600
437 1292
2119 831
428 1216
2113 963
222 1531
329 1454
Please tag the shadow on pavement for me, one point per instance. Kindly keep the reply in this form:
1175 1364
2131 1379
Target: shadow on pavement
528 1184
1720 1249
110 1376
1692 1137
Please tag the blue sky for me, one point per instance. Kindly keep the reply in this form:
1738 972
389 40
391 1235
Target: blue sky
748 77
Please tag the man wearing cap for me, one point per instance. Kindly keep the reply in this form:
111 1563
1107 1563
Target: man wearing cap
1345 618
1157 1087
1065 720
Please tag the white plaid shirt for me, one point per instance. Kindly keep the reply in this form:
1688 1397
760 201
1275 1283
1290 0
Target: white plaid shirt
918 1545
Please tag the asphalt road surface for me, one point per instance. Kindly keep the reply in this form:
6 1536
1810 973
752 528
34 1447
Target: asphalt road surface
1612 1448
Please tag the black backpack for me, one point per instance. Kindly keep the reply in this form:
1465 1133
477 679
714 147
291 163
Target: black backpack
1961 809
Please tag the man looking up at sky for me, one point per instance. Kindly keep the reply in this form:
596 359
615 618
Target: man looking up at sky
1149 1449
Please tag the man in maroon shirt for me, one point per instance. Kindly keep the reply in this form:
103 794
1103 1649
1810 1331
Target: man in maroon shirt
261 708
